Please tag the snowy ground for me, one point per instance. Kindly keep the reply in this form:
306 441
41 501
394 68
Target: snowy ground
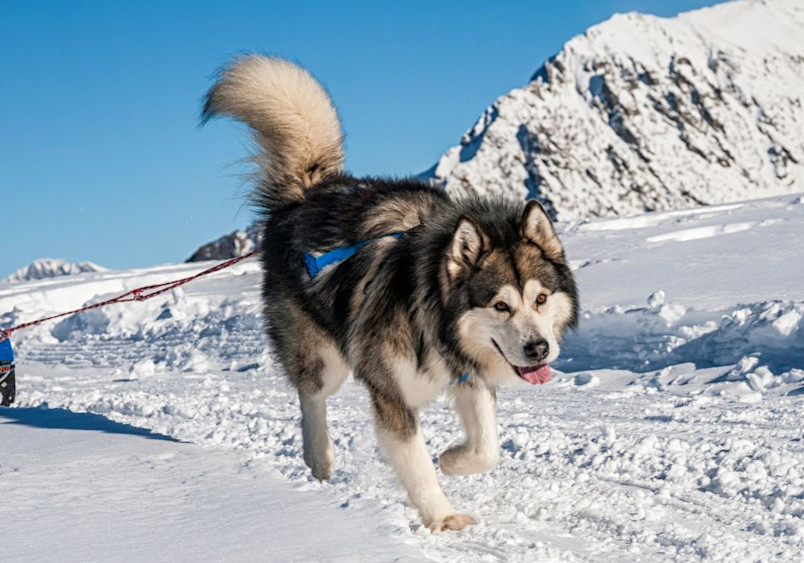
85 488
671 432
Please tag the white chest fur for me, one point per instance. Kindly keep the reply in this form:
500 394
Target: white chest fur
420 386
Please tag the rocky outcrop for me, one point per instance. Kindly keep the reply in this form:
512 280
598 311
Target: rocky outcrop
238 243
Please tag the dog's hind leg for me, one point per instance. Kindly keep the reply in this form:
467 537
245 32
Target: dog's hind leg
476 407
315 366
319 450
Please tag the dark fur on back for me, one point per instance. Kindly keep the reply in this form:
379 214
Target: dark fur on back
407 281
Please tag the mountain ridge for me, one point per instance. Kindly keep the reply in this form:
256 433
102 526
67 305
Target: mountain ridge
642 113
51 268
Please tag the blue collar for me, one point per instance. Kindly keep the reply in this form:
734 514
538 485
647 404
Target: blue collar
462 379
317 263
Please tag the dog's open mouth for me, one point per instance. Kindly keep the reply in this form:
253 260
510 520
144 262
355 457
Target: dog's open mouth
535 375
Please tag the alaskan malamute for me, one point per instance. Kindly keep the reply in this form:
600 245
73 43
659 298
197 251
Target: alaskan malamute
413 292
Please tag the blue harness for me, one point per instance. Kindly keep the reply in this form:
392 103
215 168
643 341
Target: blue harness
317 263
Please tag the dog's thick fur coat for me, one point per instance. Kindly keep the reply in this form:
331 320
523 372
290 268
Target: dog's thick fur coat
477 287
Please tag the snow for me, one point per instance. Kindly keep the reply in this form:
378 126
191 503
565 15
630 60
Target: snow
85 488
671 429
642 113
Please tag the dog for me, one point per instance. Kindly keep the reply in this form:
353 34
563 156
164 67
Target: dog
412 292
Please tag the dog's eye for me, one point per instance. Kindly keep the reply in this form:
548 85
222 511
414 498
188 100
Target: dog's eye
541 298
502 307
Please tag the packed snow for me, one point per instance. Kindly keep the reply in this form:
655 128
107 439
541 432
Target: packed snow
671 430
80 487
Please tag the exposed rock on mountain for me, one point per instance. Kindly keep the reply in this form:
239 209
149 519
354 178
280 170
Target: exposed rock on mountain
232 245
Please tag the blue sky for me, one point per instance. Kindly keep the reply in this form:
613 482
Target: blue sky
101 156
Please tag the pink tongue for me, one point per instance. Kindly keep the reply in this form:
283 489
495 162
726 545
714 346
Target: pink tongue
535 374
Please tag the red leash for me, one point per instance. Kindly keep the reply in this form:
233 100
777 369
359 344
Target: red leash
139 294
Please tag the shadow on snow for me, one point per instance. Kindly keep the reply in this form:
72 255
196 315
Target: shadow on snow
68 420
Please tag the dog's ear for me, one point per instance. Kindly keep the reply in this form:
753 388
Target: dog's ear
464 250
538 229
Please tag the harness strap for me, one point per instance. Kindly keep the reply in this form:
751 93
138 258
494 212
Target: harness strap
317 263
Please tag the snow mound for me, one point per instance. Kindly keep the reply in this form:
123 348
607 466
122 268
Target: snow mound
650 338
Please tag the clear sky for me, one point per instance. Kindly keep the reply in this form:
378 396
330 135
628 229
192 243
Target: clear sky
101 157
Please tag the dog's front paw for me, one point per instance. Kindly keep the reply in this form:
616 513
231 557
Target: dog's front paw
452 522
460 460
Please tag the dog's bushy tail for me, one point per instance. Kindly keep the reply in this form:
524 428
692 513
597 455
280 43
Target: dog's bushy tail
293 121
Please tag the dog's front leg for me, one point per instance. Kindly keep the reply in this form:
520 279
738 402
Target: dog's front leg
476 407
400 436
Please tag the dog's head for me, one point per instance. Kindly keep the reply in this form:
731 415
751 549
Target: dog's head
511 291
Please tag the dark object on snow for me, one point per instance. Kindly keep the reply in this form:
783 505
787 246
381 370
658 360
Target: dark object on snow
8 386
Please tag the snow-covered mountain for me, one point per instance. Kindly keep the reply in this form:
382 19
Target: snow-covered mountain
646 113
640 113
51 268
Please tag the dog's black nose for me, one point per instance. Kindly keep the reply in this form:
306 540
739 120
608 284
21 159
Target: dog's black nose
537 350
